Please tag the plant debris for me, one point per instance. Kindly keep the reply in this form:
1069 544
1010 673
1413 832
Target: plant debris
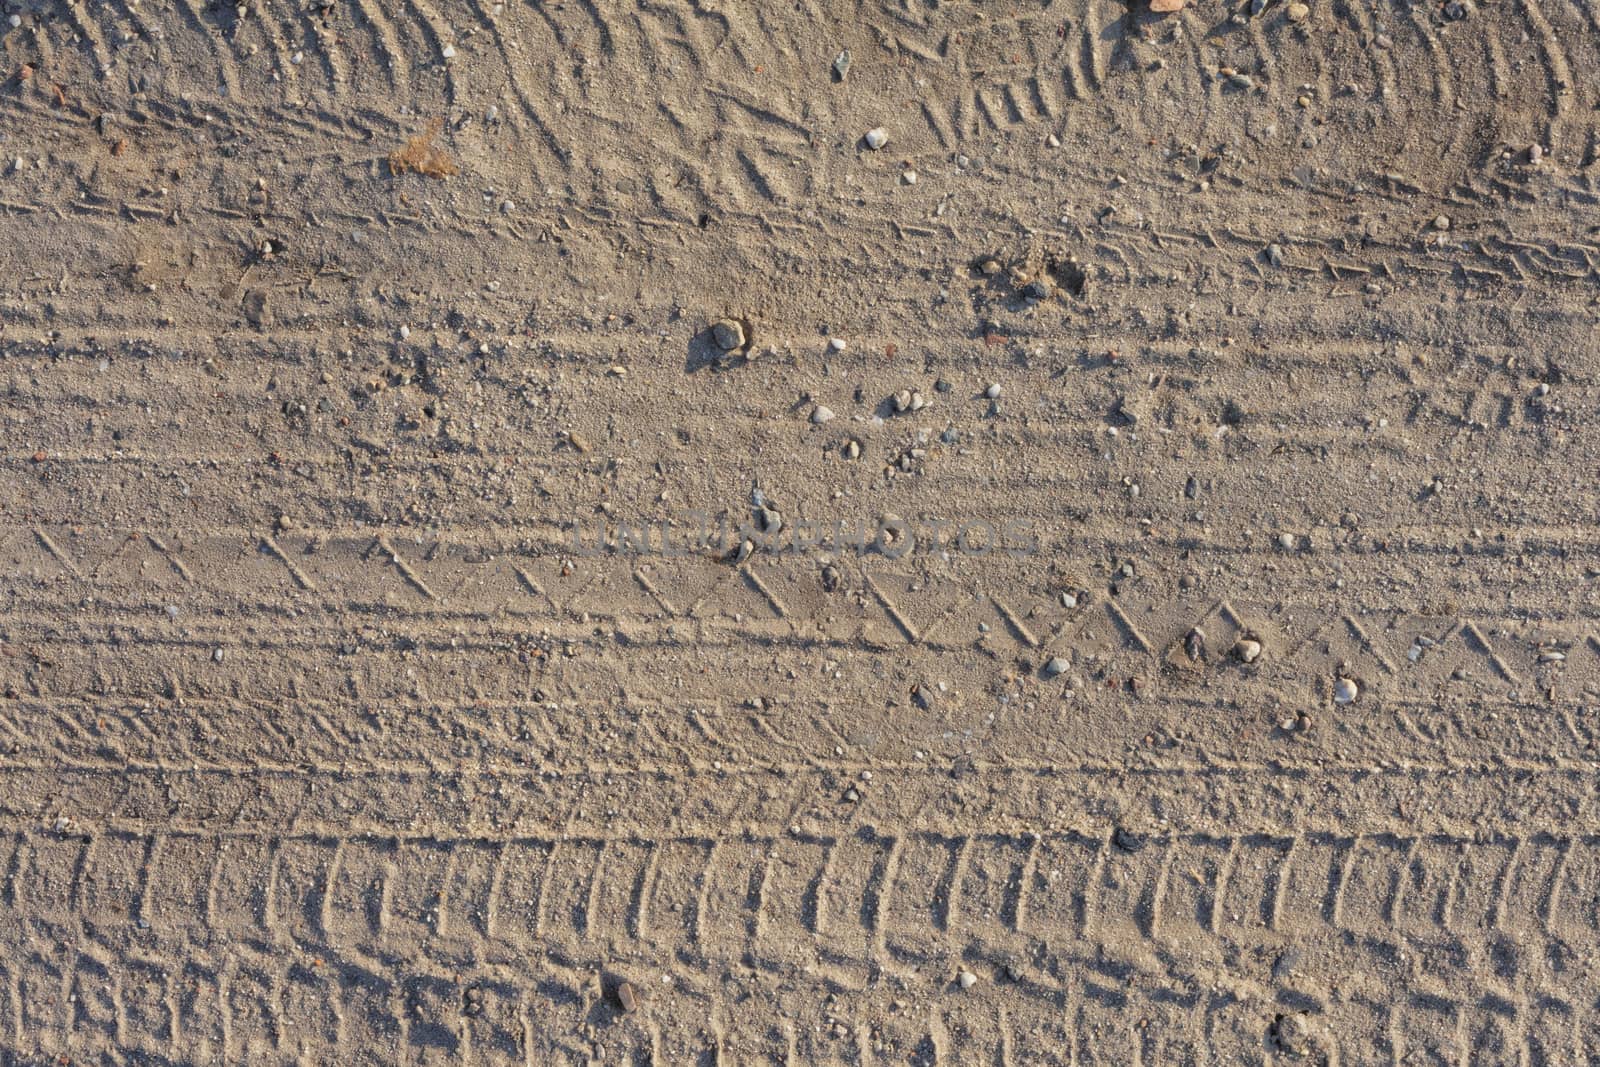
422 156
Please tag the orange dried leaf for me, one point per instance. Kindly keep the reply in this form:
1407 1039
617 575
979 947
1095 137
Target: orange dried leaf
421 155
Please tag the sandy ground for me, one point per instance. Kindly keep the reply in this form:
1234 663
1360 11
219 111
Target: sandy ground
1219 388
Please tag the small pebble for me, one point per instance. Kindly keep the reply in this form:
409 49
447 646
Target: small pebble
841 64
1286 542
1345 691
966 979
627 997
993 392
838 344
1127 840
877 137
1055 667
1442 222
1298 12
449 51
1247 650
909 177
728 335
821 414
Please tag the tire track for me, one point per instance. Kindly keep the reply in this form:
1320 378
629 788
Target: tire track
305 913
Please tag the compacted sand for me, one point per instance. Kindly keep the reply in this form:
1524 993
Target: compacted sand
1214 391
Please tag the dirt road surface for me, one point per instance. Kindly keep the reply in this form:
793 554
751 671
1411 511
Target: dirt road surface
1216 391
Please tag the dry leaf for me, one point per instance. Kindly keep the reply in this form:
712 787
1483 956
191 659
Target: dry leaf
423 156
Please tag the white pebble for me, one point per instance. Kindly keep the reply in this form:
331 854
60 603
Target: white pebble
449 51
909 177
1345 691
877 137
837 344
405 333
993 392
821 414
967 979
16 20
